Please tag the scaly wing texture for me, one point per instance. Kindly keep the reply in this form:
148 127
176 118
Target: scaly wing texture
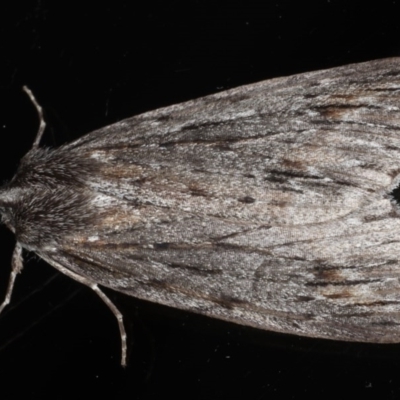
267 205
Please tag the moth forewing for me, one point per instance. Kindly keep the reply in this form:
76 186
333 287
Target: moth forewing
268 205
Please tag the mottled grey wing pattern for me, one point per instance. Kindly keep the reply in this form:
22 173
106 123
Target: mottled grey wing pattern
267 205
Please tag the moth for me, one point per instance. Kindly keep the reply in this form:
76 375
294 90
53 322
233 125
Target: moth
271 205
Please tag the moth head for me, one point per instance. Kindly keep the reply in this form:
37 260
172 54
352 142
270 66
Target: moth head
44 214
9 198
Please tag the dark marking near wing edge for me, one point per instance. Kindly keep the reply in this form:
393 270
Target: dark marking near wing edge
164 118
395 193
197 191
321 267
273 178
387 89
327 274
384 323
113 246
392 73
217 143
336 110
292 174
196 270
293 164
305 298
344 282
228 302
158 283
211 124
345 294
247 199
140 181
283 186
161 246
376 303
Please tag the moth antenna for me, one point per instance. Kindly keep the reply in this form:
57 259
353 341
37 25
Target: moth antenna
104 297
42 123
17 265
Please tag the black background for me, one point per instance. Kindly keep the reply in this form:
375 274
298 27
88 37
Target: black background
91 65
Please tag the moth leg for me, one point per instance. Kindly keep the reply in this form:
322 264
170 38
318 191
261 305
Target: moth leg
17 264
120 321
42 123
